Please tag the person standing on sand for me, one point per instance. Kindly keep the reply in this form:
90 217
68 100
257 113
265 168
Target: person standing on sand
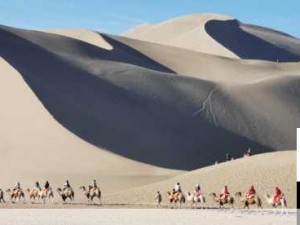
228 157
158 199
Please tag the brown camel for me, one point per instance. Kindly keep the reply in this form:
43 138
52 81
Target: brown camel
65 194
252 201
45 194
247 202
175 198
229 200
16 194
2 196
91 193
33 194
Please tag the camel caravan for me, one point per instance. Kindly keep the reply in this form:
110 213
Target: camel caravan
197 199
176 198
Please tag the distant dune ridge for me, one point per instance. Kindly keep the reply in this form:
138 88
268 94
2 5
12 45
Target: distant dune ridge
168 97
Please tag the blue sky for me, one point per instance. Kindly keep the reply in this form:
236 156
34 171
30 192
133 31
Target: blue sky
117 16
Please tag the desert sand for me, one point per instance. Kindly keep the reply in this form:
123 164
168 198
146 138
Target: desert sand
138 113
141 216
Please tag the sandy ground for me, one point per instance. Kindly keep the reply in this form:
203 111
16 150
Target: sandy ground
143 216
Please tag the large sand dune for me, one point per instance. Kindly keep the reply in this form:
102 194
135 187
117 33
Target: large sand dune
263 171
34 146
221 35
129 100
79 104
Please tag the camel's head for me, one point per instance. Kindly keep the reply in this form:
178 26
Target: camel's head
82 188
168 193
213 194
188 193
8 190
28 190
58 189
238 194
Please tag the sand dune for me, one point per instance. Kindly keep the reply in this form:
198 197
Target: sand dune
126 101
80 105
221 35
263 171
34 146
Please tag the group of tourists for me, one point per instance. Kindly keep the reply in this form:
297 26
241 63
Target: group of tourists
250 194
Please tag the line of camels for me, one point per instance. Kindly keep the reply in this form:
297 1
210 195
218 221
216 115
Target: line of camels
90 193
37 195
194 200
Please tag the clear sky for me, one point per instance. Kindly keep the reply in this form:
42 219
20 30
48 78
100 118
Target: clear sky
117 16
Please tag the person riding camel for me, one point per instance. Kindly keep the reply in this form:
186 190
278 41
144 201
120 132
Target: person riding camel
277 195
47 186
37 186
176 190
17 186
224 193
67 185
94 186
197 191
251 193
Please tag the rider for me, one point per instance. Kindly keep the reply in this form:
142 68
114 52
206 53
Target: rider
37 186
94 185
177 187
17 186
197 191
224 193
67 185
251 192
47 186
277 195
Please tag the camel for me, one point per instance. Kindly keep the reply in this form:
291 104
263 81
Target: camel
65 194
16 194
33 194
282 202
247 202
2 196
46 194
91 193
193 199
174 198
229 200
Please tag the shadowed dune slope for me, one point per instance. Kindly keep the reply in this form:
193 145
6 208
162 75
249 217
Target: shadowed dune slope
253 42
126 101
264 171
221 35
33 146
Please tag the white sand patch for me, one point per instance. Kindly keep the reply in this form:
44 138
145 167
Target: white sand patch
141 217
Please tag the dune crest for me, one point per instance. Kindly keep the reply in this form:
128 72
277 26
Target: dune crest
87 36
184 32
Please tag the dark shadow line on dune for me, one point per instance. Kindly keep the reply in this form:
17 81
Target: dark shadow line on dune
245 45
121 121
